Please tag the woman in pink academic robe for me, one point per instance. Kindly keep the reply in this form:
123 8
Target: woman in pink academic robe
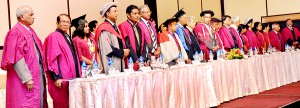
251 35
242 30
265 32
18 45
261 42
84 44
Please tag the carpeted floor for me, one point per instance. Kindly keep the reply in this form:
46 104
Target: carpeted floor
274 98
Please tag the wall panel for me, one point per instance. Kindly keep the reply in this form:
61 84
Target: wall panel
122 5
276 7
90 7
214 5
4 25
191 7
166 9
45 12
245 9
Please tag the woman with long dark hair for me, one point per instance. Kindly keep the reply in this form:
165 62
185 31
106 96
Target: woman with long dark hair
242 30
250 34
85 44
261 45
265 32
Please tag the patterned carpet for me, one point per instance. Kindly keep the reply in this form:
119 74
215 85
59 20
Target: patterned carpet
274 98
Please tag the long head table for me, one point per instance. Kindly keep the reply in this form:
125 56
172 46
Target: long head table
191 86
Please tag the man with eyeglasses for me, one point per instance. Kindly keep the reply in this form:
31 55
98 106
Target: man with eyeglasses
148 27
22 58
62 62
207 36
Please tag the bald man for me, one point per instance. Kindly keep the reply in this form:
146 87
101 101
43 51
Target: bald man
22 58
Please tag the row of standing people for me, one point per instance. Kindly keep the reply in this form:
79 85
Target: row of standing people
28 62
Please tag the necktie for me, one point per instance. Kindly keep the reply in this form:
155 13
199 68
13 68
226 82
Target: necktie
186 36
153 38
136 33
116 28
38 51
176 41
293 32
234 39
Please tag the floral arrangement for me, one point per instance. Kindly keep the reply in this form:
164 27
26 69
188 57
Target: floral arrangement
234 54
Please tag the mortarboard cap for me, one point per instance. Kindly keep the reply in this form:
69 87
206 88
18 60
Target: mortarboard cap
75 22
168 21
179 13
207 12
215 20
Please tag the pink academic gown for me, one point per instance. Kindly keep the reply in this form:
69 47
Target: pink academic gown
83 49
245 40
252 39
287 34
147 32
275 41
203 35
219 40
126 30
237 36
226 37
261 42
57 49
266 38
19 44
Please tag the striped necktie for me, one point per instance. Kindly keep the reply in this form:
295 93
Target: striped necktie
153 38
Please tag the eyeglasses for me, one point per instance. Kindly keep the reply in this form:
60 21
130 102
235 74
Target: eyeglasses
65 22
147 12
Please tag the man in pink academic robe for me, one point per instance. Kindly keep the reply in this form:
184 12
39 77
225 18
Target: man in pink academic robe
236 21
62 62
206 35
227 36
216 25
276 39
22 58
149 29
290 34
134 36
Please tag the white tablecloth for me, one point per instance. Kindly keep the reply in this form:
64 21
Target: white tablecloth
196 86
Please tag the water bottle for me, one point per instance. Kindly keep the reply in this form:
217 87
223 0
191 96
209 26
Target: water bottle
270 49
196 56
255 51
130 64
141 61
111 66
211 55
160 59
95 68
201 56
286 47
242 51
250 51
84 69
222 55
180 57
219 55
